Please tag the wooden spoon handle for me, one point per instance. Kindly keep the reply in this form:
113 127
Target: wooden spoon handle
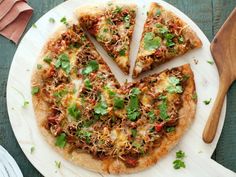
213 120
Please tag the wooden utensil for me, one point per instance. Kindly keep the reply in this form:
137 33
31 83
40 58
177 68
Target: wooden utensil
223 49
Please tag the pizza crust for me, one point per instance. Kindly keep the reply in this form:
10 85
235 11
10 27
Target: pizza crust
187 113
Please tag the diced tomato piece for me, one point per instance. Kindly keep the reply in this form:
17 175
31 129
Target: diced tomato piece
158 127
131 162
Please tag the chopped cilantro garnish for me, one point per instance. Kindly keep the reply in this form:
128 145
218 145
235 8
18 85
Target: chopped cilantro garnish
35 90
133 107
105 30
101 108
163 30
51 20
47 59
74 111
180 154
169 42
84 134
34 25
118 103
162 97
110 92
92 66
58 164
181 39
170 129
63 62
122 52
26 103
88 84
60 94
163 110
174 86
127 21
134 132
135 91
32 149
158 12
210 62
152 116
39 66
64 21
117 10
179 163
61 140
207 102
151 42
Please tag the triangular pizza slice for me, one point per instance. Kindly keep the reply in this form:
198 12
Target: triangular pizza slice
112 25
165 37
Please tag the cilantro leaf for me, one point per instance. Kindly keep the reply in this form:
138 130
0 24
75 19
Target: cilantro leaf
26 103
133 108
84 134
92 66
35 90
151 42
163 110
60 94
64 21
181 39
47 59
32 149
178 164
58 164
118 103
170 129
74 111
180 154
207 102
101 108
61 140
152 116
122 52
210 62
134 132
127 21
135 91
63 62
169 37
39 66
88 84
174 86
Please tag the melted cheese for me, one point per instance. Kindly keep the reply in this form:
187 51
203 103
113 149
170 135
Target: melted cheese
104 33
119 138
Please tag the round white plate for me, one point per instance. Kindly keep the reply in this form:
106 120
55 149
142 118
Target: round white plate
23 119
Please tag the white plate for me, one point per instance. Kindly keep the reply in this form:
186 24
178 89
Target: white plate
23 120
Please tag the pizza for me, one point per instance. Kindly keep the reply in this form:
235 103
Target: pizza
96 122
165 37
99 124
112 25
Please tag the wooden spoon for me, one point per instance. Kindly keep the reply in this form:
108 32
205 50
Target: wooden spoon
223 49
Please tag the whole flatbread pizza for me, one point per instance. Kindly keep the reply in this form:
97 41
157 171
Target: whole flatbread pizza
98 123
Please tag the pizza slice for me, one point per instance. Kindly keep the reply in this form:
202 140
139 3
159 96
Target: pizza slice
112 25
165 37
